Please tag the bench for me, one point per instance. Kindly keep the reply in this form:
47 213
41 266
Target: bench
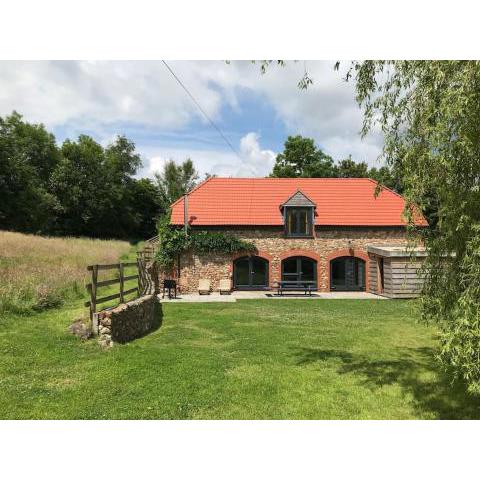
295 286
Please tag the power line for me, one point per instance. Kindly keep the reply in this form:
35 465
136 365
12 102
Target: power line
201 109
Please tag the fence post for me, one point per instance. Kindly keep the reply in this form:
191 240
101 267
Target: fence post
120 271
139 279
93 297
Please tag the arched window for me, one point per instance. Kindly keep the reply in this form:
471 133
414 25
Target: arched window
250 273
299 269
347 274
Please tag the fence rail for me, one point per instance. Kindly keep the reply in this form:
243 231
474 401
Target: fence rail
95 284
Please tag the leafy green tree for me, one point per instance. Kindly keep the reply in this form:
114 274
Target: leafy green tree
429 112
349 169
175 181
302 158
121 160
78 189
28 154
145 204
81 184
98 196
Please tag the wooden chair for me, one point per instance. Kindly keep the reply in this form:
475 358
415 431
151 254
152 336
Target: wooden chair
169 285
225 286
204 286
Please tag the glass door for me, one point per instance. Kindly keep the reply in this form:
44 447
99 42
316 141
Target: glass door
347 274
250 272
299 269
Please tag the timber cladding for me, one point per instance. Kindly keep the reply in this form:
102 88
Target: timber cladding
394 273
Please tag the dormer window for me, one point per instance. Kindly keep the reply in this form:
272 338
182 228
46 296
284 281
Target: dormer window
298 214
298 222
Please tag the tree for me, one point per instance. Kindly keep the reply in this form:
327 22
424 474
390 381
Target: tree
98 196
302 158
145 204
429 112
349 169
81 184
28 154
387 177
175 181
78 189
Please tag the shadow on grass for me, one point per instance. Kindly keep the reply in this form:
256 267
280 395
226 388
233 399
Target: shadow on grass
125 330
415 371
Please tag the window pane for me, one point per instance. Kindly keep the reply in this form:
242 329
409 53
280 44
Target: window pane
308 269
302 222
298 221
338 272
242 271
290 265
259 272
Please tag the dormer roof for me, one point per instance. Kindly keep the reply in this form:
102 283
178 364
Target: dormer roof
298 199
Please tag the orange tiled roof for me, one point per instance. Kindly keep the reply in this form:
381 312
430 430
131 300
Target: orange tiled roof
256 201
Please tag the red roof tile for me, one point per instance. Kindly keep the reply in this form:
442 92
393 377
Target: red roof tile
256 201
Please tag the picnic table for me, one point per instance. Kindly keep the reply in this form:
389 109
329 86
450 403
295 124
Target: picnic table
305 286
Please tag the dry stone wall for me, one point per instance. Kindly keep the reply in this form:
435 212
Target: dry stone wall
129 321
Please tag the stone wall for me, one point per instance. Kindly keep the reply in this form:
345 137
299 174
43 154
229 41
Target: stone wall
129 321
274 247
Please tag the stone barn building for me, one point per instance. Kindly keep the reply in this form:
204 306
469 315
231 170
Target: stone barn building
329 231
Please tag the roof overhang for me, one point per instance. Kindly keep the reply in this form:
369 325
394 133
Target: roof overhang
396 251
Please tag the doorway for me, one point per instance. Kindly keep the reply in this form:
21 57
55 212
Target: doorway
250 273
347 274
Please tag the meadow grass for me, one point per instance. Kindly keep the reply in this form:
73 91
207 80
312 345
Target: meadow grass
42 272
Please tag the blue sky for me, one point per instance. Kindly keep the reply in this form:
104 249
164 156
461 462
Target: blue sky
143 101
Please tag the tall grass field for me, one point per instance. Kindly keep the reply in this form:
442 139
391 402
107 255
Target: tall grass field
42 272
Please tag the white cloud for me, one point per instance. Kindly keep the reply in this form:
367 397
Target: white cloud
95 93
252 161
89 96
326 111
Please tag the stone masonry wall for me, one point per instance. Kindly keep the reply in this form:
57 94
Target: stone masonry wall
129 321
273 246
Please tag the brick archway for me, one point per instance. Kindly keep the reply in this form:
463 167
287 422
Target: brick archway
348 252
258 253
301 253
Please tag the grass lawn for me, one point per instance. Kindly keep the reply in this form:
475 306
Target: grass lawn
254 359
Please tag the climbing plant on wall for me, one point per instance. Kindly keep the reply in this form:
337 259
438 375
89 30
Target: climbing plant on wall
173 241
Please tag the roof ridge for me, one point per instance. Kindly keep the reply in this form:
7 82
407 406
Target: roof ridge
288 178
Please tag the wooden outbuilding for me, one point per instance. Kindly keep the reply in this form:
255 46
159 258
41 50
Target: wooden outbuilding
395 271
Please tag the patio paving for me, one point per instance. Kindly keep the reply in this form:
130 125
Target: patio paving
255 295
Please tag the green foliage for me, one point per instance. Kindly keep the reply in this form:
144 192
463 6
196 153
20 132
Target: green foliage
205 242
78 189
28 155
175 181
173 241
302 158
429 112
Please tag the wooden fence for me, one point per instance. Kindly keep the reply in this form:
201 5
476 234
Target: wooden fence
144 284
